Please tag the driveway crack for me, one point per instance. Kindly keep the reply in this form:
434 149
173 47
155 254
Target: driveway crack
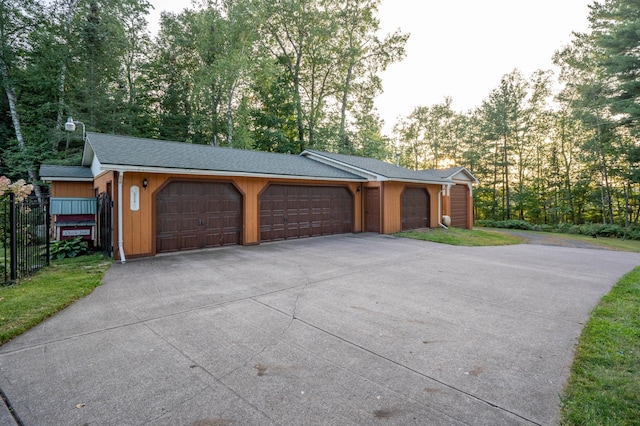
209 373
298 294
276 339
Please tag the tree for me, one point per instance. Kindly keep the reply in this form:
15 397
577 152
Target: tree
586 88
502 117
362 56
432 135
17 19
226 35
514 118
273 117
615 28
288 28
171 77
331 54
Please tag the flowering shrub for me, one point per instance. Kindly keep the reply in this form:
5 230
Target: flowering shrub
19 188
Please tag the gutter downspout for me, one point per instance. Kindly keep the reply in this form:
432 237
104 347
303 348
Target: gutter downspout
440 194
120 248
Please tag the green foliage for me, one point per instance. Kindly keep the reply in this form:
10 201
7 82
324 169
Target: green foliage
283 76
506 224
575 160
603 387
589 229
69 248
616 30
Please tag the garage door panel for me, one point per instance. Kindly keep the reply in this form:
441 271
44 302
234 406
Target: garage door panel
316 229
188 242
211 239
170 225
188 224
459 206
414 208
304 216
230 238
192 215
308 211
167 244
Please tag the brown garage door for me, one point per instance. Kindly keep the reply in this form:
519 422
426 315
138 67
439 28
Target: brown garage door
414 208
296 211
194 215
459 206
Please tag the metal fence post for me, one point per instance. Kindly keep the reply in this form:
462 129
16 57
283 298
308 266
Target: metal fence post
47 218
13 245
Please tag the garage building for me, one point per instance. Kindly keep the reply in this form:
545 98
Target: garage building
170 196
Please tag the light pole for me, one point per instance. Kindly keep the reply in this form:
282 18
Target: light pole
70 126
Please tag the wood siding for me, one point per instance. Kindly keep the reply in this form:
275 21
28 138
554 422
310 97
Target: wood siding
391 205
140 227
72 189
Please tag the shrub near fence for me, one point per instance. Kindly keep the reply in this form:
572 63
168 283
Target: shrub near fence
24 236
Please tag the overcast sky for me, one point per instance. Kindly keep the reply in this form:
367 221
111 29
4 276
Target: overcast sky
462 48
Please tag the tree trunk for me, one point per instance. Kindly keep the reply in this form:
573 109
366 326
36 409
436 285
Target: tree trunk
15 118
60 118
299 121
605 174
494 200
507 193
344 142
230 115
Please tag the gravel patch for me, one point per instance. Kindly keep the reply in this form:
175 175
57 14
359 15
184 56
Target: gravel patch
547 239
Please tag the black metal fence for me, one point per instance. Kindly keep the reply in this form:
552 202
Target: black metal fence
24 236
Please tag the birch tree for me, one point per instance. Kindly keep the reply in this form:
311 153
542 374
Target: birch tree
17 19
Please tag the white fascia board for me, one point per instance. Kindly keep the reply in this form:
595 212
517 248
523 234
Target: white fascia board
198 172
370 176
428 182
64 179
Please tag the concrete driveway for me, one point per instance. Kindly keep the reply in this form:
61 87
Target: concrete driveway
350 329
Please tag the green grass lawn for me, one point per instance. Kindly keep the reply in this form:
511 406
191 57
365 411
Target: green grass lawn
604 386
36 298
462 237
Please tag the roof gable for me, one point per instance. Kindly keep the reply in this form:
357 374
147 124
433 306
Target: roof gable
457 173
